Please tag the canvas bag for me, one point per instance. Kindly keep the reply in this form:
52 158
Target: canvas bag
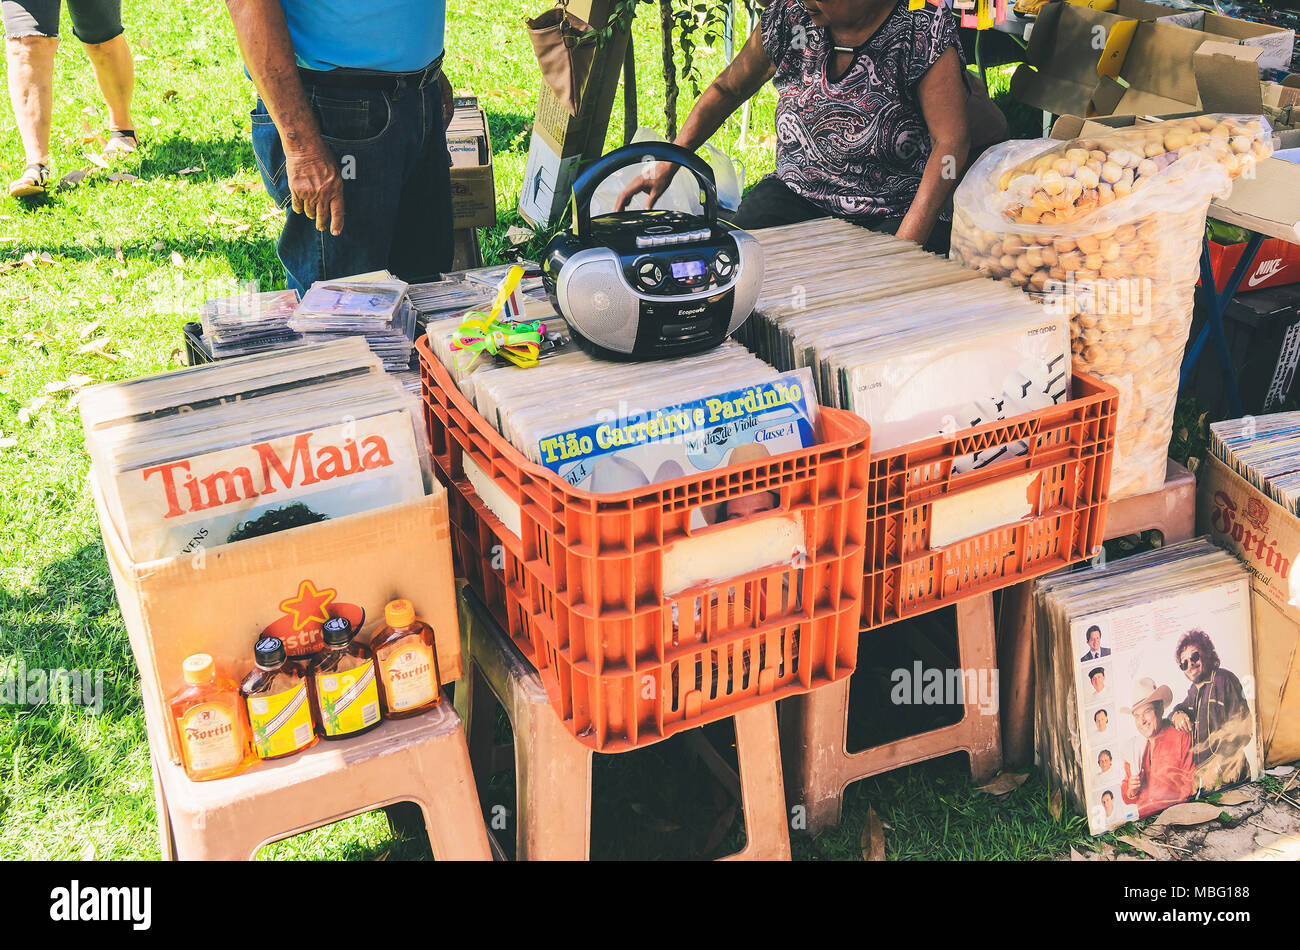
565 46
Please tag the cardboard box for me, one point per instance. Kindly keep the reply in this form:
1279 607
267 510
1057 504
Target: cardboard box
560 141
220 601
1266 537
1142 58
473 175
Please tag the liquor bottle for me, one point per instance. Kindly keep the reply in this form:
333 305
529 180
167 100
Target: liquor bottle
343 679
408 662
211 722
278 700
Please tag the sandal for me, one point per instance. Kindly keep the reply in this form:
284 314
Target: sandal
34 180
121 142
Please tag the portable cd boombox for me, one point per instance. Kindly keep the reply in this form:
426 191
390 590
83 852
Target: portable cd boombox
642 285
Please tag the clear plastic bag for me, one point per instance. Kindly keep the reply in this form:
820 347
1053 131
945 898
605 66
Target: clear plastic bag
1106 230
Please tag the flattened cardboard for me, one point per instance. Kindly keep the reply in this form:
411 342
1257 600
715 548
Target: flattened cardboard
1155 75
1227 76
1145 61
220 603
1274 43
1279 95
1059 72
1266 537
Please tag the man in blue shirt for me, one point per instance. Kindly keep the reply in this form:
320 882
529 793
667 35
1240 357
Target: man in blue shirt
350 131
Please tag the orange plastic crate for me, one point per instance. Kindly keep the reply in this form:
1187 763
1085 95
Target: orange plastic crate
1069 462
580 588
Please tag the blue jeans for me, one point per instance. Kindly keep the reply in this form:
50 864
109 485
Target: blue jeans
392 152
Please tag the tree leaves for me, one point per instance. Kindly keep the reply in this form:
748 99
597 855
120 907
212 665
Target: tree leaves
1188 813
1004 783
873 837
1146 847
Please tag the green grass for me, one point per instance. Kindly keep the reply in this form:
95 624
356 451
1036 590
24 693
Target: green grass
130 263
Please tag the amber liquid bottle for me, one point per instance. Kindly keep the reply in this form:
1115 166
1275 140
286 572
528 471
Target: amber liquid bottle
408 662
278 701
211 722
343 679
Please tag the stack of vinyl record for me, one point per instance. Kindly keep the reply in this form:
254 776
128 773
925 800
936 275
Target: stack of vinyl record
243 447
611 427
1264 450
250 323
905 339
377 310
1144 679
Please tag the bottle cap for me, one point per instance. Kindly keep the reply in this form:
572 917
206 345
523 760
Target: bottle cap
337 631
399 613
268 652
198 668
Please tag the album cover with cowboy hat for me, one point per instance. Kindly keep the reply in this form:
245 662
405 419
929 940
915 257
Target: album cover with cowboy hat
1156 652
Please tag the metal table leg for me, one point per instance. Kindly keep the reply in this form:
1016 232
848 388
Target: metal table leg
1216 303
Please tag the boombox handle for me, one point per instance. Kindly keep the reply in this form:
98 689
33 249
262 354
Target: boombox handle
584 188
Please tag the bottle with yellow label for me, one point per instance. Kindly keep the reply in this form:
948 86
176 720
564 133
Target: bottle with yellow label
211 722
343 678
279 703
408 662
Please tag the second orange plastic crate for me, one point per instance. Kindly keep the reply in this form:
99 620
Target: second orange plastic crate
580 587
1067 467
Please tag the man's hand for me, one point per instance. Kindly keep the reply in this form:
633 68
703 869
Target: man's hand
448 100
316 185
1133 785
1181 722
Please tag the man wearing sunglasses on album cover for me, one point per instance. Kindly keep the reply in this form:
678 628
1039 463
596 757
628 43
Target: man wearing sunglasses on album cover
871 121
1215 712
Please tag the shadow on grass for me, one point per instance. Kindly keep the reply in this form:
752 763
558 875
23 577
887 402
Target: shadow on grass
249 258
218 158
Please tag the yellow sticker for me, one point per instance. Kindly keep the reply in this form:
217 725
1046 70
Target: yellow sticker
407 669
281 721
348 701
210 738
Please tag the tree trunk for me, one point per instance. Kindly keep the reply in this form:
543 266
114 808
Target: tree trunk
670 70
629 94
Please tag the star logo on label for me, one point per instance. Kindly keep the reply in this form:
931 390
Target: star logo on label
309 606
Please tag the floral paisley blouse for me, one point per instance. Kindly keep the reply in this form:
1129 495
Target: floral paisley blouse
857 145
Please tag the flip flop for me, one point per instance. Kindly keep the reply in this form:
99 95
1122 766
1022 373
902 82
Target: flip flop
121 142
34 180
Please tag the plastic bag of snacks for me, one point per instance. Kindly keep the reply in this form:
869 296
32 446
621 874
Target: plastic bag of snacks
1106 230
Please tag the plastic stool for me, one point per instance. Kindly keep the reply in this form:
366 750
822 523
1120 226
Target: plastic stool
422 760
814 730
1171 510
553 770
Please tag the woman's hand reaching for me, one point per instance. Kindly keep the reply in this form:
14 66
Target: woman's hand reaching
653 181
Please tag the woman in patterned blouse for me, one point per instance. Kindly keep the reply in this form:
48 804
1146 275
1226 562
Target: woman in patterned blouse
870 116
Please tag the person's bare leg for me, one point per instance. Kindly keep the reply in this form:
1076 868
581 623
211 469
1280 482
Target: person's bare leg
30 61
115 73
